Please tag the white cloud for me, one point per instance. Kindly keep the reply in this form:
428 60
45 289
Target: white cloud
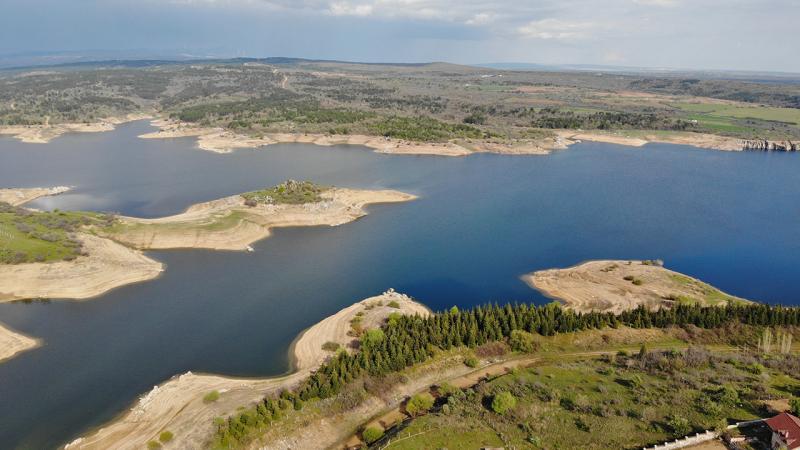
349 9
555 29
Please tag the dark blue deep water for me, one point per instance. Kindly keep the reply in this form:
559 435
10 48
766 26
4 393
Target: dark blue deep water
731 219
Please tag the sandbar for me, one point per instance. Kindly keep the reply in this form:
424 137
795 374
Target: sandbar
13 343
17 197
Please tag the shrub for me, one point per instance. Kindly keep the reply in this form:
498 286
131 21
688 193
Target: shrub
372 337
679 426
330 346
419 404
165 436
471 361
503 402
394 304
371 434
153 445
522 341
211 397
795 404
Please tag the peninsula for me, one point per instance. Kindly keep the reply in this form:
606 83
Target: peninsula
235 222
79 255
616 286
187 404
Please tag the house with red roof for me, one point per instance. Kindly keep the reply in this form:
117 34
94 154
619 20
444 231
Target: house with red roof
785 431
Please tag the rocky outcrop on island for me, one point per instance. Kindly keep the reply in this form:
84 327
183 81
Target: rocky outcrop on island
770 146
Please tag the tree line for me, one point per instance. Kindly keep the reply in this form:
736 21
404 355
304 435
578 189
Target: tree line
408 340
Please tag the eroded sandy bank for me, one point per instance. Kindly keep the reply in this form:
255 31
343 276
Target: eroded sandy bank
17 197
177 405
228 224
42 134
615 286
107 266
13 343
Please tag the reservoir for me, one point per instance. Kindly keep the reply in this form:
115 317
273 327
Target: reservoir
728 218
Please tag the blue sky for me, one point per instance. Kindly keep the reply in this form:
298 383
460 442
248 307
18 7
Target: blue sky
703 34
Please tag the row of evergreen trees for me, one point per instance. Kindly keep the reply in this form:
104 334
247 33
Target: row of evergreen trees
409 340
412 339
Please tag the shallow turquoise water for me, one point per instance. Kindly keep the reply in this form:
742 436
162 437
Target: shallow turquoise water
731 219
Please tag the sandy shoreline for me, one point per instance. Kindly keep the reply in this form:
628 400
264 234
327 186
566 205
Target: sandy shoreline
17 197
177 405
228 224
115 257
13 343
42 134
707 141
220 140
224 141
612 286
109 265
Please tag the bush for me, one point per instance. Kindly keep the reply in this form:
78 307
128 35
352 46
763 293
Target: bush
372 337
165 436
795 404
394 304
153 445
679 426
419 404
371 434
211 397
330 346
471 361
522 341
503 402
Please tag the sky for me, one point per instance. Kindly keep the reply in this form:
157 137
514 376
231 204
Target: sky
684 34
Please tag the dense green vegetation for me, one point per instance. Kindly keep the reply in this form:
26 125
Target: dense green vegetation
424 129
32 236
406 341
603 120
290 192
627 401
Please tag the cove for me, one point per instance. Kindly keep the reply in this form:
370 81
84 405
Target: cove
730 219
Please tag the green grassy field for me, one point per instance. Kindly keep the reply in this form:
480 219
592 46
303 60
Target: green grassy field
27 236
722 111
627 402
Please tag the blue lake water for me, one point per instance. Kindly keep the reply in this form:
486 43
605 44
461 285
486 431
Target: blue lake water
731 219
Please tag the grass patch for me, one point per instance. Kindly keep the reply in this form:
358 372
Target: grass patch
622 402
165 436
769 113
32 236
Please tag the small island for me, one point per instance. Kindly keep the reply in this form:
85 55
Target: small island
79 255
616 286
